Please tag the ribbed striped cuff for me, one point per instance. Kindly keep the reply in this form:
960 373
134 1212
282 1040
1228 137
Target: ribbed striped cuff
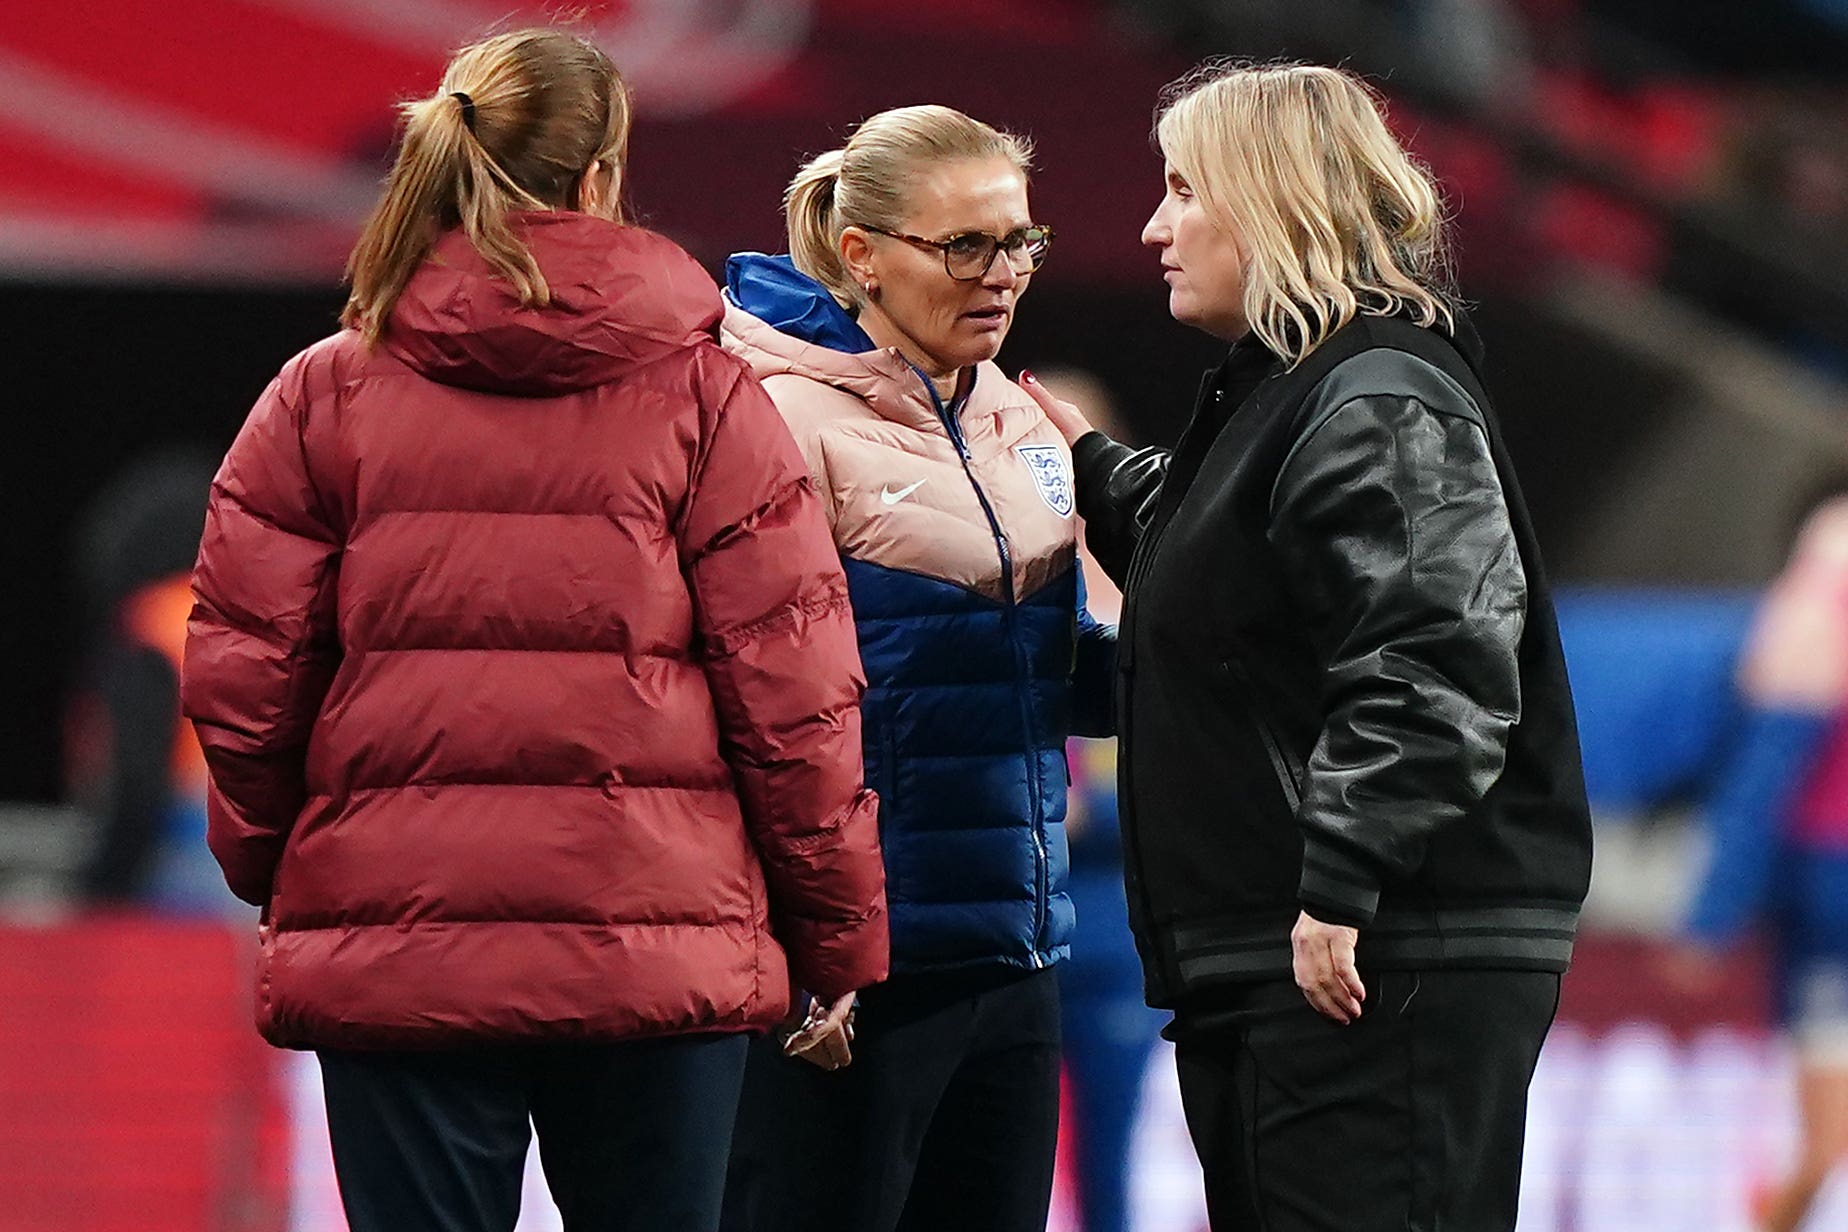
1336 888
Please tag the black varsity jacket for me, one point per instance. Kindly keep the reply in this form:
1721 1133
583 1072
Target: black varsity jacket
1340 684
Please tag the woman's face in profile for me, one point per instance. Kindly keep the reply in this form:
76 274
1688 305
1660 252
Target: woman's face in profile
949 323
1201 263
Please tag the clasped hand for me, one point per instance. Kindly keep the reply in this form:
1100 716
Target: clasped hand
824 1034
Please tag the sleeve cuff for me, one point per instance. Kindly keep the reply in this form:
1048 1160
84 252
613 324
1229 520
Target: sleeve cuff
1336 888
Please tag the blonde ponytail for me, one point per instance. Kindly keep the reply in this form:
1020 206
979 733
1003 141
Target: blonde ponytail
519 119
814 233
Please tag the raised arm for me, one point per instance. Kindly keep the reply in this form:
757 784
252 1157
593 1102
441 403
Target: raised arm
1116 485
1117 489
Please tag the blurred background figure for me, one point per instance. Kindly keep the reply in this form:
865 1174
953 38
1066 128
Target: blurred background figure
133 766
1779 842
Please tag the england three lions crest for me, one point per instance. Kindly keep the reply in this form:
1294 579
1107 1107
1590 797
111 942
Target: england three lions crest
1052 475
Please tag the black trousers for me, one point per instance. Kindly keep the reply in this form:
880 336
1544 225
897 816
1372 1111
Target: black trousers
1410 1119
948 1118
632 1136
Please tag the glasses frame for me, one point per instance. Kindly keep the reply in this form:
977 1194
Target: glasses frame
942 248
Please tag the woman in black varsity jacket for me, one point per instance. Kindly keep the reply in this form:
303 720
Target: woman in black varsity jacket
1353 814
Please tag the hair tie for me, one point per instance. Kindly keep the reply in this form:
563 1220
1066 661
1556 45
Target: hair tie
468 108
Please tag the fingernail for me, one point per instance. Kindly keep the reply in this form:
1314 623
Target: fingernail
1027 377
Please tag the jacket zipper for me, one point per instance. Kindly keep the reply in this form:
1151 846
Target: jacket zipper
1042 872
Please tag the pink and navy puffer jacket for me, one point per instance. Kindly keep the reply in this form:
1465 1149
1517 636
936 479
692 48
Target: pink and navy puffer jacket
955 526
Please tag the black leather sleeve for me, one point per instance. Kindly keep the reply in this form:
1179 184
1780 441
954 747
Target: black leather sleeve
1396 539
1117 487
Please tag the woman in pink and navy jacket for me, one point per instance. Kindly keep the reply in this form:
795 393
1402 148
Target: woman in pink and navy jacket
951 500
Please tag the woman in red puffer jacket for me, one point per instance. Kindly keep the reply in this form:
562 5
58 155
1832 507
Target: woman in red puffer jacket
524 670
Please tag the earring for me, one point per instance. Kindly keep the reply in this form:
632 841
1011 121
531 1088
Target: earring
869 286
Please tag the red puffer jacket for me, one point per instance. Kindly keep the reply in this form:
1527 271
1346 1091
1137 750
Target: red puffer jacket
522 662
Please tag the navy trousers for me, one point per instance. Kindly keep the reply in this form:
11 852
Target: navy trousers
632 1136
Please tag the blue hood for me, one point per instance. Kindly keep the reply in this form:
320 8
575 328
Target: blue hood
774 291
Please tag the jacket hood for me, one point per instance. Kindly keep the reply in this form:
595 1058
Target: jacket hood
881 378
622 297
774 291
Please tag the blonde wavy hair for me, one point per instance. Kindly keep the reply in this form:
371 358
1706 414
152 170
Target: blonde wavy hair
1334 217
868 181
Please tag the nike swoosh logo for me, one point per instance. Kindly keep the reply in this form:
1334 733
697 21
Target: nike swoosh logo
888 497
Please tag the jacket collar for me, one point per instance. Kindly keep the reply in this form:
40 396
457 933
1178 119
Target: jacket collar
1465 339
1249 353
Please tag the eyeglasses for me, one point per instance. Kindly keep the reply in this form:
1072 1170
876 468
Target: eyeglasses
967 257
